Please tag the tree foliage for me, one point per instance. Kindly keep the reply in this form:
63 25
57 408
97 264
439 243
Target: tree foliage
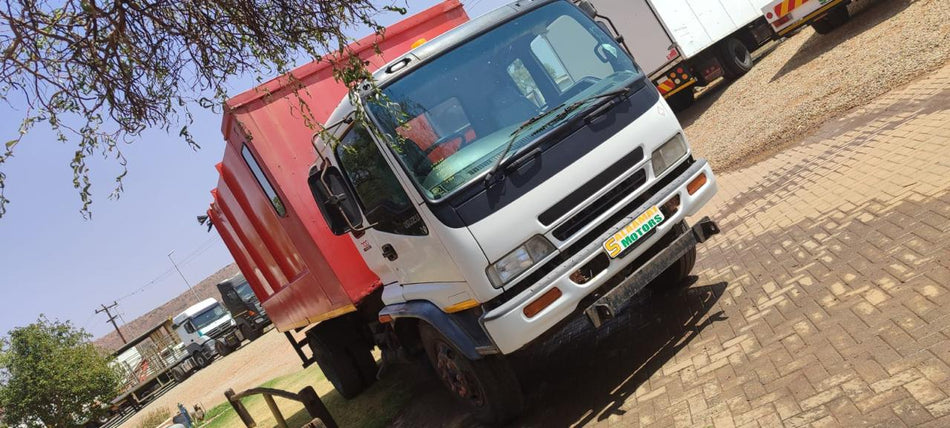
100 73
50 374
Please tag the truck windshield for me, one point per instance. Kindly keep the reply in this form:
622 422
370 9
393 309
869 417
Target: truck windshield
245 292
449 120
208 316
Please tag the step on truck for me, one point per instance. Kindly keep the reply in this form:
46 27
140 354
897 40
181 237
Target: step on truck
685 44
513 173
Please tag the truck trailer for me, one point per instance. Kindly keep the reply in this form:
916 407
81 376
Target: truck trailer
500 177
684 44
786 16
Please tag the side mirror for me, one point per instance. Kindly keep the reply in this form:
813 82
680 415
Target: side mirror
588 8
189 327
336 202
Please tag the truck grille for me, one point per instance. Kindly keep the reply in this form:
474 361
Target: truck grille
219 331
595 184
605 202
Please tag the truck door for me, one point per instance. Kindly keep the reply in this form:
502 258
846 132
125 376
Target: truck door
398 246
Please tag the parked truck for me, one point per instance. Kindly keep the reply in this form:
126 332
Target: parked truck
824 16
244 306
206 329
684 44
509 175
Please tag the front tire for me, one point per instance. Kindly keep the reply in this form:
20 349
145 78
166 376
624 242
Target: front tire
487 386
679 271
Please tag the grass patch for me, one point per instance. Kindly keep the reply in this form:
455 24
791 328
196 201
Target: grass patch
375 407
154 418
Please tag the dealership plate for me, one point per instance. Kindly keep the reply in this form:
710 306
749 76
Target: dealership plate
633 232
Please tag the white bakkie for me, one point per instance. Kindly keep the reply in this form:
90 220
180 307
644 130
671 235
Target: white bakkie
502 174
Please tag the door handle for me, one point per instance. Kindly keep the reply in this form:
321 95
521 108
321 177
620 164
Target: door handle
389 252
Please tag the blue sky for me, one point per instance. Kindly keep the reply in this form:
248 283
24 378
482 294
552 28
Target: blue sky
54 262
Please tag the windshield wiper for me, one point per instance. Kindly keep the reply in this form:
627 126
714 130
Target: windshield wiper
563 113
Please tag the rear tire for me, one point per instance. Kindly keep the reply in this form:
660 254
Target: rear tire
834 19
679 271
735 58
178 374
201 360
345 360
487 386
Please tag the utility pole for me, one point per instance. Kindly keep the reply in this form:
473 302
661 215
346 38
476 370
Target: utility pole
193 293
112 318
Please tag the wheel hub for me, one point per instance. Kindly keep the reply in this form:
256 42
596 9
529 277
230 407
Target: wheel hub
456 375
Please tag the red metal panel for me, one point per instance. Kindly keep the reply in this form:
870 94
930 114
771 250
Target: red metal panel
310 274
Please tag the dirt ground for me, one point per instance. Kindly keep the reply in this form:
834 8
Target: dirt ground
256 362
811 78
805 81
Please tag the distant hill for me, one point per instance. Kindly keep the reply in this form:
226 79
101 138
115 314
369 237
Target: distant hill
206 288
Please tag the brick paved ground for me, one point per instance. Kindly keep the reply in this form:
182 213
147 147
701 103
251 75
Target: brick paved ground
825 302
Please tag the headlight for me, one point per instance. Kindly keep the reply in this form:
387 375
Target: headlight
667 155
519 260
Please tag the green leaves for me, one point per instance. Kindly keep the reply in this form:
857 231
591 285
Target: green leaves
53 376
100 73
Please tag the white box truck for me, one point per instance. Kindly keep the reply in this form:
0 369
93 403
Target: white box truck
683 44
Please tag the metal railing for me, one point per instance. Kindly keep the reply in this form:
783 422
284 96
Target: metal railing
308 397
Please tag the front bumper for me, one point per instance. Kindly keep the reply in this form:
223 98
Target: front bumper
508 326
612 302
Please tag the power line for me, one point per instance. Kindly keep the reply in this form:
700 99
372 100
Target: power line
201 249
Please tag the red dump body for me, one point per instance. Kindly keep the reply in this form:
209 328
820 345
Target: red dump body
263 208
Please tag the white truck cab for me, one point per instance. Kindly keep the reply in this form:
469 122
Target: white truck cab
516 171
208 328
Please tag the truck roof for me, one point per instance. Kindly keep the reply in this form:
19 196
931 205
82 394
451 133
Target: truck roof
434 48
194 310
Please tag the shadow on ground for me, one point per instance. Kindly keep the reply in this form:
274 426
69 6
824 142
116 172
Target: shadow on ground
583 375
866 14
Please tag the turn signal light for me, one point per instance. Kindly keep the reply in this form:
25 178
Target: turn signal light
696 184
385 318
542 302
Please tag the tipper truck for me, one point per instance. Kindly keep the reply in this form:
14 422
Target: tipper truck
509 175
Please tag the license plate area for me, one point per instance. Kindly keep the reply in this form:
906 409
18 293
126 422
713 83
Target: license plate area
634 233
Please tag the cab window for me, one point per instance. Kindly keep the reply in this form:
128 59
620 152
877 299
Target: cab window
384 202
439 132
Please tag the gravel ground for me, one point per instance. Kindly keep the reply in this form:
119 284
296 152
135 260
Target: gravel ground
809 79
256 362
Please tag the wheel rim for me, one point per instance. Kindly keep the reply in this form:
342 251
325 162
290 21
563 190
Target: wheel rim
457 376
740 53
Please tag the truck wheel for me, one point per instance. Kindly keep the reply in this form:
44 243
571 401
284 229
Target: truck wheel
338 367
735 58
178 374
222 348
201 360
251 334
834 19
487 386
677 273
